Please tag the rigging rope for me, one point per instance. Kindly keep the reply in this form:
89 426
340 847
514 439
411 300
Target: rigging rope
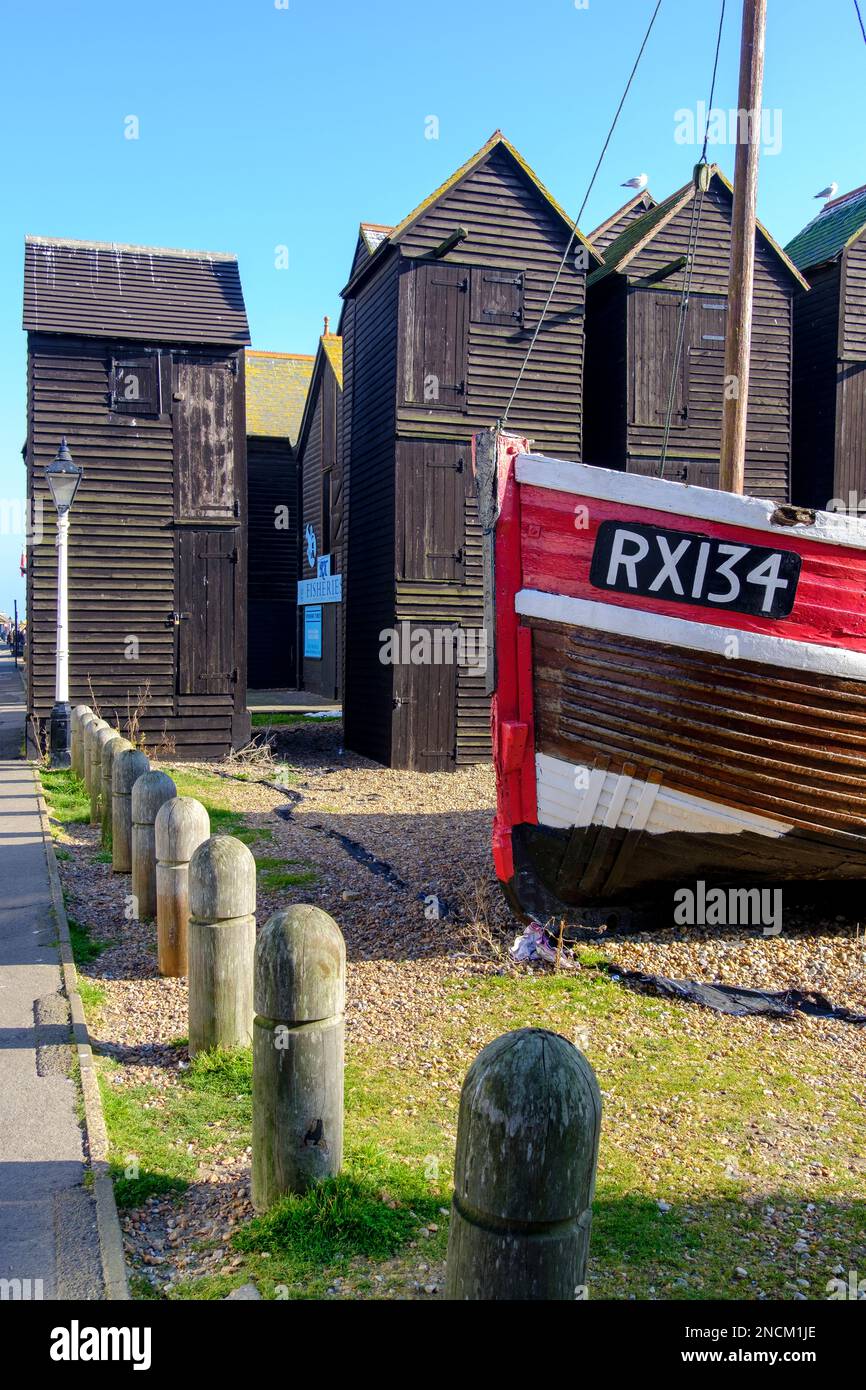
576 223
701 184
860 17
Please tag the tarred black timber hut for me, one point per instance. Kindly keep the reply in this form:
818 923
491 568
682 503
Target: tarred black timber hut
830 357
616 224
277 385
438 314
135 353
632 316
320 464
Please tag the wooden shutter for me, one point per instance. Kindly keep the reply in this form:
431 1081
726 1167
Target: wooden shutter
432 481
705 337
135 384
435 338
655 319
497 296
203 422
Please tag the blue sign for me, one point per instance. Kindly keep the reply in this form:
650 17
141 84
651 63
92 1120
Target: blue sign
313 632
323 567
328 590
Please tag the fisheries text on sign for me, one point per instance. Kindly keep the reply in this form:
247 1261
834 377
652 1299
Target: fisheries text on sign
328 590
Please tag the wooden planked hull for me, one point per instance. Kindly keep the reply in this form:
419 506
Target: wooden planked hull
646 736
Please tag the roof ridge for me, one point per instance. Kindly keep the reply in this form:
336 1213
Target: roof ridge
263 352
75 244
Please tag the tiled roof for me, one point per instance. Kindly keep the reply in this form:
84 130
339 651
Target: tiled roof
374 233
152 293
276 390
627 244
332 345
826 236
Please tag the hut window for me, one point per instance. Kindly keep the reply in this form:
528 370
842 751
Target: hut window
654 327
135 385
497 296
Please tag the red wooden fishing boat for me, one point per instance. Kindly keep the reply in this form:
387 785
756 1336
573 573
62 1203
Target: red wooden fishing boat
680 686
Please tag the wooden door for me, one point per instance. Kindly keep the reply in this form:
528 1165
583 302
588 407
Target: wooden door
435 305
206 570
425 717
203 426
654 324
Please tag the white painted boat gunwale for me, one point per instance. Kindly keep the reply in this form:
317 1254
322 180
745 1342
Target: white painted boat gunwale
683 499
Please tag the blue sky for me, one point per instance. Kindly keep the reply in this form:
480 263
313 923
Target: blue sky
266 124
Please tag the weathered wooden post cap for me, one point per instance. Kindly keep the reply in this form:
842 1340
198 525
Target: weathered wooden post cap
300 969
524 1173
128 766
181 825
149 791
222 880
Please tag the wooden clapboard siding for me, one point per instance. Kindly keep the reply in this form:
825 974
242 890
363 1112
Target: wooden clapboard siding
695 440
125 545
788 744
273 563
321 470
465 319
369 405
830 382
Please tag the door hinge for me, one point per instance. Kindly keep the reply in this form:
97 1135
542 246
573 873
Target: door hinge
237 507
234 366
175 619
233 675
233 557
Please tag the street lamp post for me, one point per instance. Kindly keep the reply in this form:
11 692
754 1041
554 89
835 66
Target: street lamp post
63 478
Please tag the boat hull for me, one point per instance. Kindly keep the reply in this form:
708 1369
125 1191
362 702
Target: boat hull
644 741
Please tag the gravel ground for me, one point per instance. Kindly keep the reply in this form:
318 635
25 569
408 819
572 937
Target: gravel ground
436 916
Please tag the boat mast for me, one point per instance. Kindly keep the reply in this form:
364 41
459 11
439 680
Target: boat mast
739 330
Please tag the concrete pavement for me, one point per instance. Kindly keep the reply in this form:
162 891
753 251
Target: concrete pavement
48 1225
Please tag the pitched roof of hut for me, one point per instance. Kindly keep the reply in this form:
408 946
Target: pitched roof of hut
609 230
100 289
330 350
838 224
636 236
392 236
276 391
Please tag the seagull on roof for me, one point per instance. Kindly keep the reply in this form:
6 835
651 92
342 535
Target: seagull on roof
639 182
829 192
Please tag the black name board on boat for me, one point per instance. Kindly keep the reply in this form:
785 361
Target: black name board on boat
686 567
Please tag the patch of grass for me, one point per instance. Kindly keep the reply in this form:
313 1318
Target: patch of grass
336 1220
62 854
215 797
66 795
278 873
278 719
150 1129
92 996
84 948
102 856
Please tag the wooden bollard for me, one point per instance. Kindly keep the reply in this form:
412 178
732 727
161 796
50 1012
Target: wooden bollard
84 742
221 944
299 994
94 785
148 794
110 752
126 769
182 824
93 729
524 1173
78 713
